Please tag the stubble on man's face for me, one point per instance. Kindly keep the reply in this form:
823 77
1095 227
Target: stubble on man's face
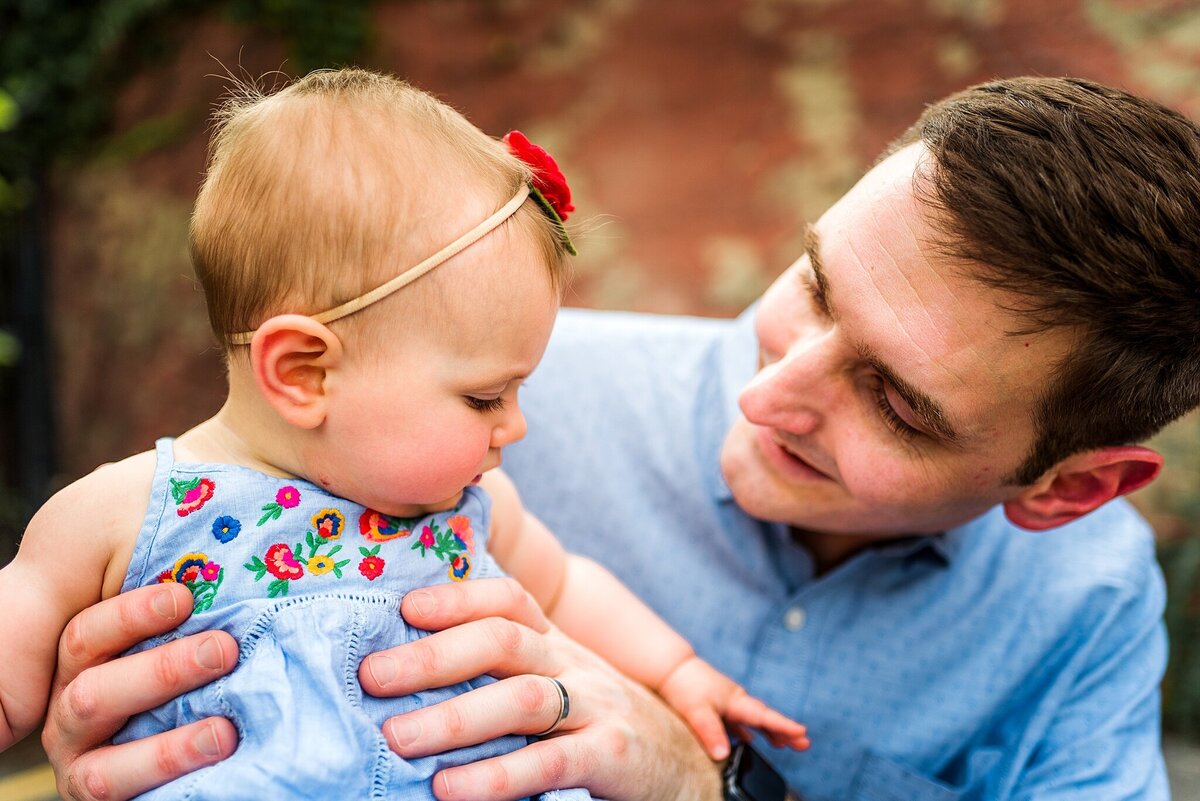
891 397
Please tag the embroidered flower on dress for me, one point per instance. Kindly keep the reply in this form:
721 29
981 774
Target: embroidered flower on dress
372 564
460 567
192 494
281 562
329 523
427 538
461 526
287 498
378 527
187 567
226 528
199 575
320 564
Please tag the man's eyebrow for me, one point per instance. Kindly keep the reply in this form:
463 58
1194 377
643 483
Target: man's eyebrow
820 287
931 413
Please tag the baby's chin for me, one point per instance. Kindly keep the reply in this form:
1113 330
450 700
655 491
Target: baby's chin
423 509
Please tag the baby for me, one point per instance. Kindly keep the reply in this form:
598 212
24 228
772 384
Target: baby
356 456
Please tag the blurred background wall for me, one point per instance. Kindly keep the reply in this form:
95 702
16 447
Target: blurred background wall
702 133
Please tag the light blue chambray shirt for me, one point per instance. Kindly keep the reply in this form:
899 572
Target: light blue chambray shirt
985 663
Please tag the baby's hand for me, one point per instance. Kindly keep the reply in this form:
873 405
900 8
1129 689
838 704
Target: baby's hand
703 696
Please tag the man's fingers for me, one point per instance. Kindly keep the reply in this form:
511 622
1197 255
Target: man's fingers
445 605
99 700
123 771
518 705
545 765
496 646
100 632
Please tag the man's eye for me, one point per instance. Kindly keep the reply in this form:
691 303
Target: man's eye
893 420
484 404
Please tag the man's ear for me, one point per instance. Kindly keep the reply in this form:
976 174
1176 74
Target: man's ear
1082 483
290 355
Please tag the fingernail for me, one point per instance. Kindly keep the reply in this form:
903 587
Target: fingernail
165 605
207 742
404 731
382 669
423 603
446 782
209 654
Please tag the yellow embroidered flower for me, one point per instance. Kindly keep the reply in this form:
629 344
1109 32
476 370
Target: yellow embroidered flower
319 564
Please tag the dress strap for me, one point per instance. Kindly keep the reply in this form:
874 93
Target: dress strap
164 454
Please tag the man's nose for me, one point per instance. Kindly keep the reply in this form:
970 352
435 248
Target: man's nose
795 392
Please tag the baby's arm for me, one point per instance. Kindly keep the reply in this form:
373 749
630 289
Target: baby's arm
624 630
59 570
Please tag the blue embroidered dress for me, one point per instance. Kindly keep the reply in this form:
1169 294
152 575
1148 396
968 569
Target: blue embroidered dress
309 584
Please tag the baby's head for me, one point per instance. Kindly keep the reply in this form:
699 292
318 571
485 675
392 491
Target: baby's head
327 190
323 191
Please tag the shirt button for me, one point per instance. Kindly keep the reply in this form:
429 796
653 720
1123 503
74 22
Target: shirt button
794 619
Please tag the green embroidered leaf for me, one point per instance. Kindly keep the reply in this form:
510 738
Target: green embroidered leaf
256 566
334 550
180 489
273 511
277 587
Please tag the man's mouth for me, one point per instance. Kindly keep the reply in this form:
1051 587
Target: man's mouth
785 460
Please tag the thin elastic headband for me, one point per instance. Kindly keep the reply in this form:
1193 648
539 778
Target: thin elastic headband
412 273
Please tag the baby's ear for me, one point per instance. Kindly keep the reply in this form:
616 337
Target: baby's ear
290 356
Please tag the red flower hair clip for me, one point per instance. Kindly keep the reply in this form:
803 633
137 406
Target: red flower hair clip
549 188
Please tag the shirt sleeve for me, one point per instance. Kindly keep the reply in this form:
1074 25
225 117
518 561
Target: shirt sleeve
1103 741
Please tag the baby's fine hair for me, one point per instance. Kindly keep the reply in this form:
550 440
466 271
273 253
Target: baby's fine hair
326 189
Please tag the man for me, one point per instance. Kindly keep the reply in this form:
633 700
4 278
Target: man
975 339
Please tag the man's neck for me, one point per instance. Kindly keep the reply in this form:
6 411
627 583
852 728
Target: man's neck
830 550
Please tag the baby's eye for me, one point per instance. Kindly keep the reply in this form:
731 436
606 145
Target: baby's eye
484 404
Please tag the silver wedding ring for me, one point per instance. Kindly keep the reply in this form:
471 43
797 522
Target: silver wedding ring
563 710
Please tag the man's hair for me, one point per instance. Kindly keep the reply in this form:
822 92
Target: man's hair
322 191
1083 201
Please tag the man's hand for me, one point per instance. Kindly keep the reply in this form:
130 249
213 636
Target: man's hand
94 694
619 740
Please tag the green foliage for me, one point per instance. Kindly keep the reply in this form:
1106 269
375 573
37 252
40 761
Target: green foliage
63 63
10 349
1181 689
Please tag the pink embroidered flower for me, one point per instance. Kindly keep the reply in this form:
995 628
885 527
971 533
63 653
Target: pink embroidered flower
329 523
547 177
461 526
378 527
210 571
281 563
371 567
191 495
427 538
288 497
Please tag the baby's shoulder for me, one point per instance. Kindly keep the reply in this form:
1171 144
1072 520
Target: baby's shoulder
98 516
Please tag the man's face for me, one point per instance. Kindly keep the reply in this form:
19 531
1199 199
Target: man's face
890 398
